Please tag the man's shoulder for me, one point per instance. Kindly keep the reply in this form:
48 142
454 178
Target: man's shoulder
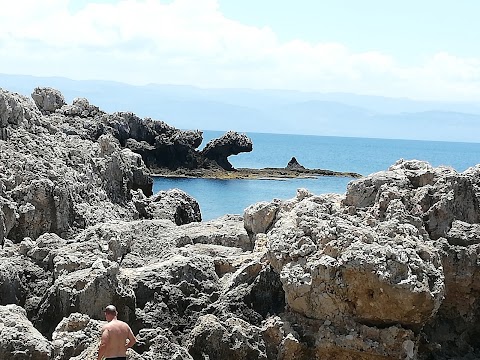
117 324
111 324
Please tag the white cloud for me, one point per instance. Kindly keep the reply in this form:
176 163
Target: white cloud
191 42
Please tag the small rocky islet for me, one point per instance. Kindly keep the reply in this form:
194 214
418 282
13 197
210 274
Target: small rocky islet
388 270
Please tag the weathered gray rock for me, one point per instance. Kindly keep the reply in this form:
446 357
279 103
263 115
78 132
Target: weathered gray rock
80 107
54 182
42 206
175 205
159 347
232 339
8 212
160 145
231 143
47 99
371 259
227 230
260 216
22 282
74 335
333 266
452 333
172 292
19 340
86 291
285 339
16 109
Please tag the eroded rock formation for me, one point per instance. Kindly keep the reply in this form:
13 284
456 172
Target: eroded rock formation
159 144
388 270
231 143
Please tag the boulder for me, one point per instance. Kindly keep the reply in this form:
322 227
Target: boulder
171 293
48 100
42 206
175 205
227 230
80 107
391 254
22 282
19 340
260 216
15 109
74 335
334 267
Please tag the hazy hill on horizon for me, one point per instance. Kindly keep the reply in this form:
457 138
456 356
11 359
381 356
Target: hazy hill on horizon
271 111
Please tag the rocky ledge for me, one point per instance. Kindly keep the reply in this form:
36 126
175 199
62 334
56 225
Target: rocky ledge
388 270
292 170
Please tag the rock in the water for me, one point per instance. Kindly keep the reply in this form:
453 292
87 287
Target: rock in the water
231 143
293 164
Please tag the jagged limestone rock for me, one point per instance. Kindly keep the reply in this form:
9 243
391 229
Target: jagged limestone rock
19 340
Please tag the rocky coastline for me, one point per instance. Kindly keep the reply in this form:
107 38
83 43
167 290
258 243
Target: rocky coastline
244 173
292 170
388 270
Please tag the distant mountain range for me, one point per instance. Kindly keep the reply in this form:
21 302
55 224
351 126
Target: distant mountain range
272 111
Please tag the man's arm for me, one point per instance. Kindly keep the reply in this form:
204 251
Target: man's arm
103 343
131 339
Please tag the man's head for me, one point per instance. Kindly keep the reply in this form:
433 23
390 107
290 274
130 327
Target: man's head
110 312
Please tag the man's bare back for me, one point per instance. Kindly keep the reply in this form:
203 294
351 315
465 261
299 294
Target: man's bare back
117 337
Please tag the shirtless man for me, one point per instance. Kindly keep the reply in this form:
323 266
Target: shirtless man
117 337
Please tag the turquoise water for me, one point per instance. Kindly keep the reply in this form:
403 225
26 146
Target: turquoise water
361 155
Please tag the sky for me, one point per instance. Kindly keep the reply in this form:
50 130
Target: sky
425 50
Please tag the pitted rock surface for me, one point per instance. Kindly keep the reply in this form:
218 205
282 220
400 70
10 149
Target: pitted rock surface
47 99
18 338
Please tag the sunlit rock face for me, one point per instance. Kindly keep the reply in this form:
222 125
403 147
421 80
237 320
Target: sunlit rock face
62 169
20 340
391 253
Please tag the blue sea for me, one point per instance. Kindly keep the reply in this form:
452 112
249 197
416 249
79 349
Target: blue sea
360 155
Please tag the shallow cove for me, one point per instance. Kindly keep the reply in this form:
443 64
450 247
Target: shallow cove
218 197
361 155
